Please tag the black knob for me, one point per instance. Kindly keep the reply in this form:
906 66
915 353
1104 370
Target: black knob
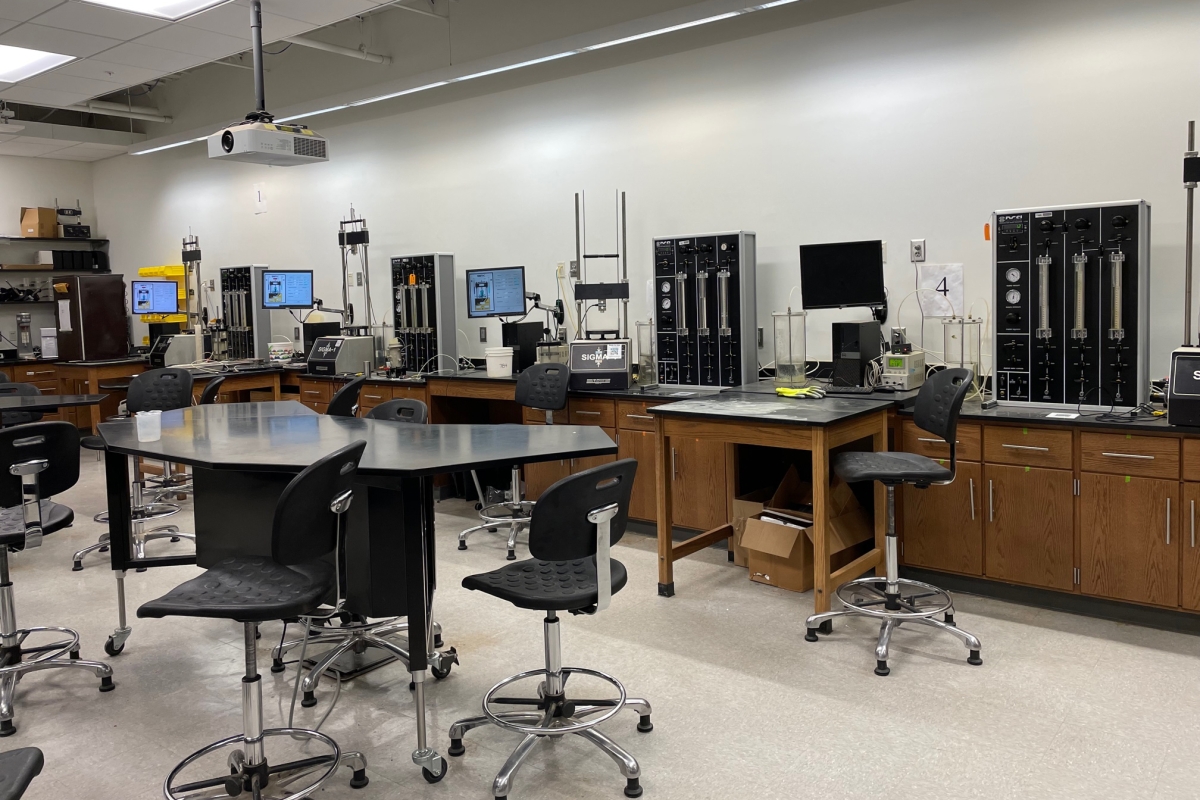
1119 221
1014 244
1082 224
1012 319
1047 225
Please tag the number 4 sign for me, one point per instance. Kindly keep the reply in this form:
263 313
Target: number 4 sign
940 289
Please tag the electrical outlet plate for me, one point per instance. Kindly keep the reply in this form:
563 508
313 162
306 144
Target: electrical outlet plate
885 251
482 334
760 338
358 278
296 334
916 250
575 270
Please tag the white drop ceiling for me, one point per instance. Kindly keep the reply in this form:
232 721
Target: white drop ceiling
117 50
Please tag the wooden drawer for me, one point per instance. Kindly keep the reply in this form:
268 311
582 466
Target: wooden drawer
1126 454
45 386
591 411
1191 459
1027 447
316 391
632 416
929 445
371 396
536 416
34 373
409 392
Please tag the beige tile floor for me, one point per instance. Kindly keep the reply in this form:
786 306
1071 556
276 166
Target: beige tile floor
1063 707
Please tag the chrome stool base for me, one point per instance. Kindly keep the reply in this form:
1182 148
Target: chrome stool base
514 513
140 514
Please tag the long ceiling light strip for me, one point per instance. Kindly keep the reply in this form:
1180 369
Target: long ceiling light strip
510 67
173 10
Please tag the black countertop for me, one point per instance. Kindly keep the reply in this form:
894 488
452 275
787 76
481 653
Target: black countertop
48 402
286 437
107 362
1088 419
772 409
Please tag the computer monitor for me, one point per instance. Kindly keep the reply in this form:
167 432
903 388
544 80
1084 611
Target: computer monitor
496 292
842 275
155 297
287 288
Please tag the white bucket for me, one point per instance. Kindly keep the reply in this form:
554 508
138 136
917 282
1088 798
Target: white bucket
499 361
149 426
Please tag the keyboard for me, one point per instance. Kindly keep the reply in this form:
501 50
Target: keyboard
848 390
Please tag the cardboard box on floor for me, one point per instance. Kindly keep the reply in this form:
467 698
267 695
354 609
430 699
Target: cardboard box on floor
41 223
745 507
778 555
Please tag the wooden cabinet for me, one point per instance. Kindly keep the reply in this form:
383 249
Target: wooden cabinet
581 464
699 497
541 476
45 378
639 445
1029 525
592 411
1028 447
1129 538
1189 573
1129 454
943 525
316 393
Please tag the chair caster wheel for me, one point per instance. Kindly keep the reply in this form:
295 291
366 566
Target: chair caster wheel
277 665
512 556
141 569
949 619
811 636
74 655
112 649
7 728
645 725
310 700
359 779
974 659
440 674
438 644
881 669
106 684
456 747
104 549
412 687
633 787
430 777
826 627
77 566
462 545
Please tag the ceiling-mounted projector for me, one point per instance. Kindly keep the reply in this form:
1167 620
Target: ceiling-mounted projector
259 140
268 143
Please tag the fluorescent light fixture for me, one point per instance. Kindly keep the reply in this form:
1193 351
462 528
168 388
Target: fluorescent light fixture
472 76
173 10
167 146
19 63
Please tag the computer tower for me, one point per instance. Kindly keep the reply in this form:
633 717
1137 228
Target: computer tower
855 346
522 337
318 330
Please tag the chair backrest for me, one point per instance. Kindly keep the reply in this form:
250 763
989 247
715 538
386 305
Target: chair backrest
211 390
939 401
55 442
345 401
305 527
560 531
543 386
404 410
160 390
3 378
19 417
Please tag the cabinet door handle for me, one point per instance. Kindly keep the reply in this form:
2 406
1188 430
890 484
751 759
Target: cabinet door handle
589 413
1128 455
634 416
310 391
991 502
971 482
935 441
1193 523
674 467
1168 520
1026 447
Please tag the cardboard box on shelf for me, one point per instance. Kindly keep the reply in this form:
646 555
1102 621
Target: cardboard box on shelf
744 507
40 223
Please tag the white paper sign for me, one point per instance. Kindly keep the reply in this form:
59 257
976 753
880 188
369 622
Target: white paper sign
260 198
940 289
64 316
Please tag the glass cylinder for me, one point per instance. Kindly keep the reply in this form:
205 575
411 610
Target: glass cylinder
647 345
790 347
961 343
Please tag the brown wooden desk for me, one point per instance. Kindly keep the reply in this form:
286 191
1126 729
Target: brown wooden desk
84 377
819 426
238 382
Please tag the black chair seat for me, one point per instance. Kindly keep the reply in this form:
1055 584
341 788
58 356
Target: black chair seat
92 442
890 468
17 769
247 589
55 517
547 585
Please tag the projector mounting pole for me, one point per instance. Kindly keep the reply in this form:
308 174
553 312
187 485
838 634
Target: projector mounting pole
260 92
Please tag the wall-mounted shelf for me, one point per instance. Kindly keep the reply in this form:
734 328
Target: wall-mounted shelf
4 272
11 239
27 303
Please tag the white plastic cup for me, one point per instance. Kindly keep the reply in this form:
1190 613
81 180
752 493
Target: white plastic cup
149 425
499 362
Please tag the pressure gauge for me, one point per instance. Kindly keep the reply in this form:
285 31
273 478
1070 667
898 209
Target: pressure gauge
1013 275
666 303
666 287
1013 297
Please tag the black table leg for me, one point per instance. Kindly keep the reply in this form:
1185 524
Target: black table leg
120 532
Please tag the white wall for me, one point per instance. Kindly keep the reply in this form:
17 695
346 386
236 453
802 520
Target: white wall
911 121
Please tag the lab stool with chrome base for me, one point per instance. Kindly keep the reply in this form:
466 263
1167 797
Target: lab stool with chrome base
892 599
40 457
292 582
542 387
571 533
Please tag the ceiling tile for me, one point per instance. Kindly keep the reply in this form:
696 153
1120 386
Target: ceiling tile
17 147
25 10
27 94
317 12
85 152
7 24
119 74
195 41
87 18
53 40
155 58
234 20
69 83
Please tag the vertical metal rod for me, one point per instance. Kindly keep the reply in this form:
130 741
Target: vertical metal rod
625 270
578 265
1188 242
260 92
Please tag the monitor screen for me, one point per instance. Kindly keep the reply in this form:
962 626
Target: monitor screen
842 275
155 297
496 292
287 288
